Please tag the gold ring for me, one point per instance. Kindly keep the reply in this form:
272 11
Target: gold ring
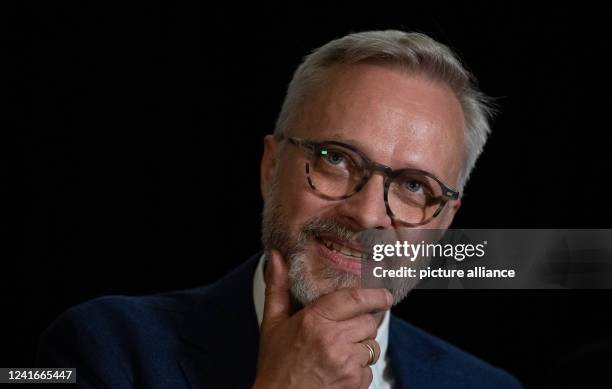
371 360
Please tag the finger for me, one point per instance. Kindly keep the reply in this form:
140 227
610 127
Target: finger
361 352
366 378
359 328
276 306
347 303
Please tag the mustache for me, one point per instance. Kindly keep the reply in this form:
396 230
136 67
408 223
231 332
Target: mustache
328 227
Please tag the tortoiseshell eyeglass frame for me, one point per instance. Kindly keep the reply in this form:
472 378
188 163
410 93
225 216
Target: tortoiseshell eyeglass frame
369 167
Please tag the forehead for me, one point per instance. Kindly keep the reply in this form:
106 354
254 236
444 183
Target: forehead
397 119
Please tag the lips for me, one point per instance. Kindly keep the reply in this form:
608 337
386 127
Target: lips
341 255
342 248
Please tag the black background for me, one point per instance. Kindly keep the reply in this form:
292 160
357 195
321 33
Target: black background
134 138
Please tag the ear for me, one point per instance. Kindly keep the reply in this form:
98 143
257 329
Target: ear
268 162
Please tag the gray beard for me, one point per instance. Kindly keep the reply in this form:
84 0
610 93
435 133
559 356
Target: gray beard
302 286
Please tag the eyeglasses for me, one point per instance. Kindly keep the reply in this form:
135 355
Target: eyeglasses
337 171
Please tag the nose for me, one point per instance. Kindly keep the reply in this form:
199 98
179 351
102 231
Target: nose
366 208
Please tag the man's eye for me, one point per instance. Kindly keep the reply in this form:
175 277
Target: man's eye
413 186
335 158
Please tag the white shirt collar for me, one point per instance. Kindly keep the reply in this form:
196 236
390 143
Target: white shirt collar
382 378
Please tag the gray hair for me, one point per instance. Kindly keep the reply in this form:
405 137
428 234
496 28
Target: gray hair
414 52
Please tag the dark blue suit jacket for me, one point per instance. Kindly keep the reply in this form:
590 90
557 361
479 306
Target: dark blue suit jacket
208 338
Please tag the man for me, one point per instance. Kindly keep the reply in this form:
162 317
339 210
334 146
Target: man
379 131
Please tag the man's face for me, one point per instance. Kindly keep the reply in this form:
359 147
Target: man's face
396 119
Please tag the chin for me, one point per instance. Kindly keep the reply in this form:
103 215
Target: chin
311 277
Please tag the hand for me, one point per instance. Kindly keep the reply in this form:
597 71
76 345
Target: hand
319 346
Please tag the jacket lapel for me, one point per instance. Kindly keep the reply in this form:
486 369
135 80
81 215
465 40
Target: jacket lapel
222 328
408 371
414 360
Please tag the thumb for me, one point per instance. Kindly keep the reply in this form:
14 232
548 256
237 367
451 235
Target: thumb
276 306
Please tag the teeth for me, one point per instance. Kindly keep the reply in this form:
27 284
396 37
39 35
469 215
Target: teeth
343 249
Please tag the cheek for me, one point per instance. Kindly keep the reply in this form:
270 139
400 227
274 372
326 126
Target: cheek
443 220
299 201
